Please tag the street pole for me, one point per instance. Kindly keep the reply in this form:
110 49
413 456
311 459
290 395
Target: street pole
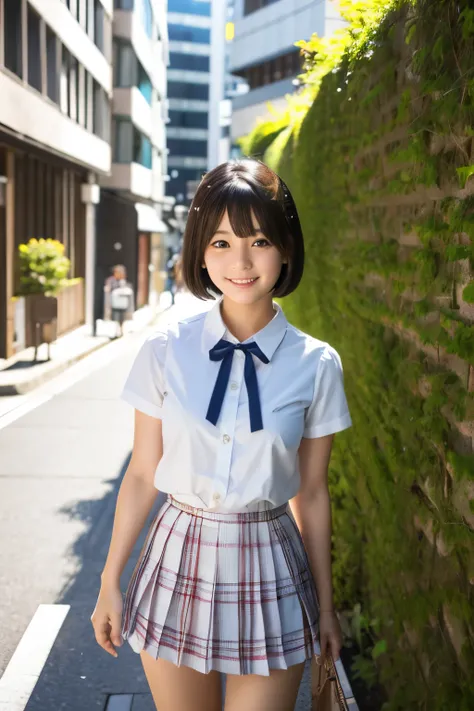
90 195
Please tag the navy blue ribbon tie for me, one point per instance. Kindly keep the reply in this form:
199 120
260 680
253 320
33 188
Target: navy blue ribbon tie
224 351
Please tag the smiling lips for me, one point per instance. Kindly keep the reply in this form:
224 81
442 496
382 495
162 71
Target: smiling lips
243 282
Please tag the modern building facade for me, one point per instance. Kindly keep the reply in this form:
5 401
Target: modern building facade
264 55
189 93
82 148
130 224
55 88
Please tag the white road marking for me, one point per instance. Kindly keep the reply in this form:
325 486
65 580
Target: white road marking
29 658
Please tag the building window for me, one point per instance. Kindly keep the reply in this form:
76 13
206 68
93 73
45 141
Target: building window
123 4
130 145
178 147
81 13
188 119
89 102
101 118
185 90
254 5
190 7
81 96
73 6
99 25
125 65
51 66
183 33
34 53
64 82
144 84
12 36
195 62
146 14
285 66
73 88
129 72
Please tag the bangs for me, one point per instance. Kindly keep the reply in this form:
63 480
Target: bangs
247 206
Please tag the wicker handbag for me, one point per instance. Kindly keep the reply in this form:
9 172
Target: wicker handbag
326 689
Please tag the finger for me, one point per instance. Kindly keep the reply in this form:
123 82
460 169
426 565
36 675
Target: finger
116 624
102 636
335 649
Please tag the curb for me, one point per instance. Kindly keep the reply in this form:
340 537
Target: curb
25 386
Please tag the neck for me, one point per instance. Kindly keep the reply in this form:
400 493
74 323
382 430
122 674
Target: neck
244 320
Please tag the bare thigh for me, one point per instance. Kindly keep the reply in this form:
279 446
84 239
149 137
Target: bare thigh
276 692
181 688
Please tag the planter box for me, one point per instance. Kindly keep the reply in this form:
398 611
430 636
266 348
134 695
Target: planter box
41 314
71 312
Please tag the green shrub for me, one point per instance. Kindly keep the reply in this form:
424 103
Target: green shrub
43 267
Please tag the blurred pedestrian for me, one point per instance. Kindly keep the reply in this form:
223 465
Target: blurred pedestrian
118 298
171 274
235 412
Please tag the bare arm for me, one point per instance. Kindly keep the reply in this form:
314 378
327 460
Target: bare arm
311 508
136 496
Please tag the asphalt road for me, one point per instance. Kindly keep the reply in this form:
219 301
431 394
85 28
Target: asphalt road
60 468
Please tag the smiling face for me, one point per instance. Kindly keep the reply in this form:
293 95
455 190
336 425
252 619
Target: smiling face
244 269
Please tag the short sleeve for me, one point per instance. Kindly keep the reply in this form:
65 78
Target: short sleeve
144 386
329 411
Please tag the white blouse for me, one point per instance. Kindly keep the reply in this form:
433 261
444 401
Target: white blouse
226 467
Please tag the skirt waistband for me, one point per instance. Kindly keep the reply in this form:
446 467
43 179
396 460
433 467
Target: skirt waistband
236 517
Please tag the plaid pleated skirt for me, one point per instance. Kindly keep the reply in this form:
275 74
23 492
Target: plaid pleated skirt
225 592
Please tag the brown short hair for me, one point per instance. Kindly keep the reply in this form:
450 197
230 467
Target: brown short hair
240 187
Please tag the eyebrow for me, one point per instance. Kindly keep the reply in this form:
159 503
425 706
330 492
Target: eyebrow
227 232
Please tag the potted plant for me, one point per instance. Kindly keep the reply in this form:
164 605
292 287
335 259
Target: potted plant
43 272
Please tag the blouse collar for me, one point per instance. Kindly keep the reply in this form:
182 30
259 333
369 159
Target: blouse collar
267 339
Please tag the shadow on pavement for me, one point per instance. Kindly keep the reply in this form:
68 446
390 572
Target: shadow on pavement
79 675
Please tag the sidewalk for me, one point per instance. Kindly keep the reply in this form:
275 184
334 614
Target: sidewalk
20 374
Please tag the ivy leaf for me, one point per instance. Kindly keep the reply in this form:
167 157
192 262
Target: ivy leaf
468 293
464 174
379 649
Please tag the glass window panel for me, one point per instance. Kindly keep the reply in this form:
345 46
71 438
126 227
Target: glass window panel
195 62
34 54
190 7
182 147
188 119
64 81
183 33
51 66
185 90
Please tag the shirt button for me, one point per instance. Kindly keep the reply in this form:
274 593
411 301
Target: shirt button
226 438
216 496
234 386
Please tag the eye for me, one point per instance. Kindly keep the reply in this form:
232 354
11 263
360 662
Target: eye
217 242
266 243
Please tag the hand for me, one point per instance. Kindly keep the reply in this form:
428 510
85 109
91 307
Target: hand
330 634
107 618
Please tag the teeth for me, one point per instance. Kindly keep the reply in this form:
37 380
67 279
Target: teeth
242 281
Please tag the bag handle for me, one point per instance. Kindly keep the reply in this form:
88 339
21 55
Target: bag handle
327 664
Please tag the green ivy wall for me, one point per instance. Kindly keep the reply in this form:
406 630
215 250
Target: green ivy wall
380 168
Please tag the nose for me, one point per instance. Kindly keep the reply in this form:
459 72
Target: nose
243 255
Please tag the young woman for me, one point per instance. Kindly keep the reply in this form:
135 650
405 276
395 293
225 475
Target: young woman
235 413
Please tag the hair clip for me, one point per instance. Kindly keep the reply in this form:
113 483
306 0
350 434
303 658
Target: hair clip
197 209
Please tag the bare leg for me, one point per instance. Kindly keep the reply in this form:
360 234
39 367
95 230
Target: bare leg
181 688
276 692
